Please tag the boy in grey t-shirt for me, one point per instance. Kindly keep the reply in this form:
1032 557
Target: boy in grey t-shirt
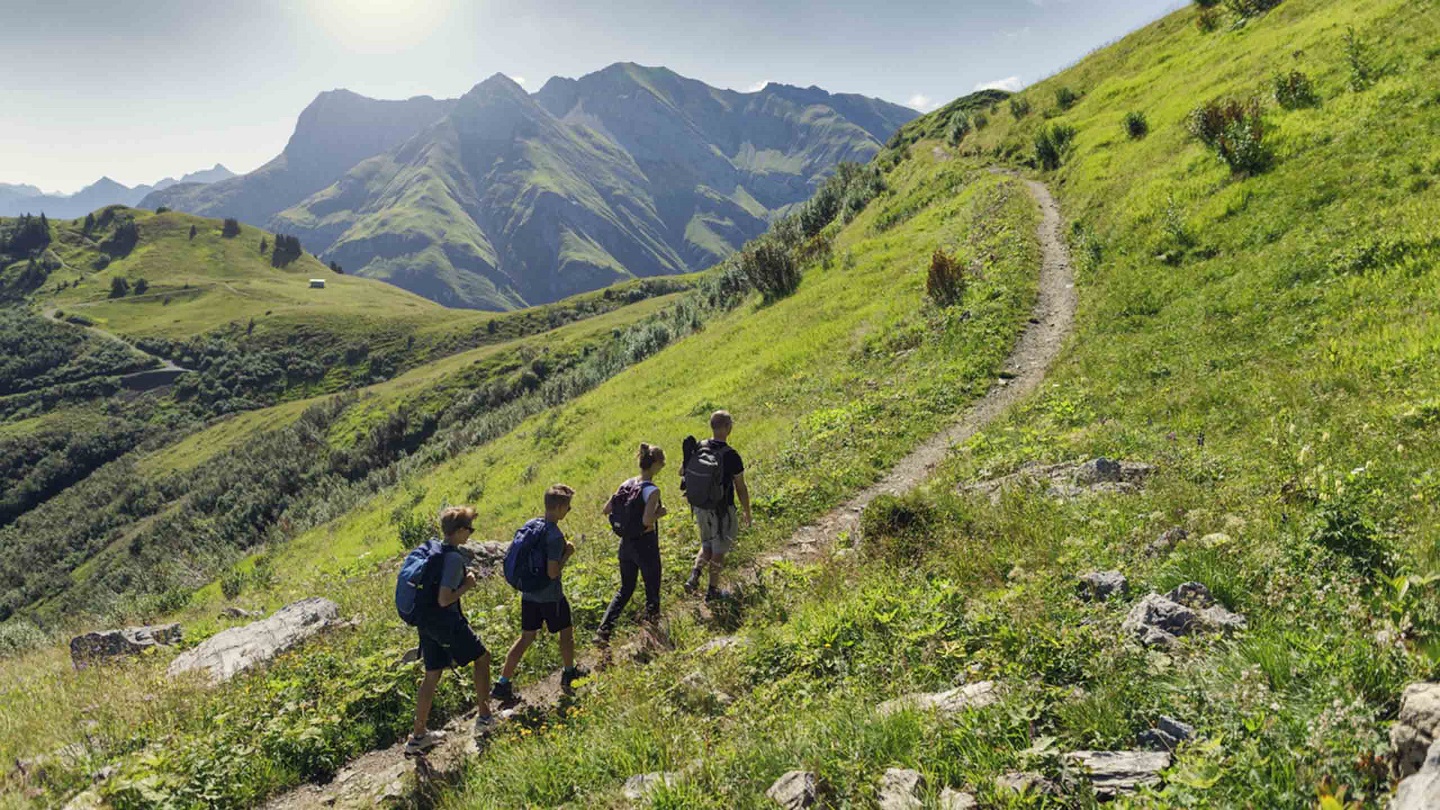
548 606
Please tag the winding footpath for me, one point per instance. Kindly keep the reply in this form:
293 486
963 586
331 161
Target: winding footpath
379 775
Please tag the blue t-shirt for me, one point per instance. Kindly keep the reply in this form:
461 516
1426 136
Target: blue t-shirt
452 575
554 551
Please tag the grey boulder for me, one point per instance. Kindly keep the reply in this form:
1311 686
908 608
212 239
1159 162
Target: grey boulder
101 645
795 789
1102 585
1417 728
1421 790
640 786
1167 734
952 799
901 789
951 701
1157 621
1115 772
232 651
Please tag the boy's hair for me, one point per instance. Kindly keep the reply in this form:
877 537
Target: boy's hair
455 518
721 420
558 495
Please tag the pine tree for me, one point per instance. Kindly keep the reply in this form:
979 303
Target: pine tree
336 269
231 228
192 233
89 224
119 287
264 245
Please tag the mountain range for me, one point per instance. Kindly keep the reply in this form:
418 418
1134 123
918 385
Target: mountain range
502 198
16 199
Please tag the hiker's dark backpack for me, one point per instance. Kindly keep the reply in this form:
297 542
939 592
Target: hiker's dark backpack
627 509
526 565
417 588
705 477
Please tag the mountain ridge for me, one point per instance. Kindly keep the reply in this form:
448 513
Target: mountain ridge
17 199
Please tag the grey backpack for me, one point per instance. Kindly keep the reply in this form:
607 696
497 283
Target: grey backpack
705 477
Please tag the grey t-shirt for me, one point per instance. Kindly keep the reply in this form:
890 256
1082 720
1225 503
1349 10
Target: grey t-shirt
452 576
554 551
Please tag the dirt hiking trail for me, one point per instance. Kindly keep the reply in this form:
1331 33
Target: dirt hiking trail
379 776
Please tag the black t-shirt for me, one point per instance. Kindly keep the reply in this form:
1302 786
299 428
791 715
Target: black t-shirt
734 466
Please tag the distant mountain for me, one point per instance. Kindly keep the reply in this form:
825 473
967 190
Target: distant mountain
23 199
338 130
509 199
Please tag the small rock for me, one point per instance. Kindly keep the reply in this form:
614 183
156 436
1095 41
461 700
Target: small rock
1156 621
1167 540
101 645
1167 734
88 800
794 790
1097 471
642 785
410 656
1116 772
1025 782
1192 595
952 701
237 649
1421 790
1417 727
233 612
952 799
721 644
1102 585
901 789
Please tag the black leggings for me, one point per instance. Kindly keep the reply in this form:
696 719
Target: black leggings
640 556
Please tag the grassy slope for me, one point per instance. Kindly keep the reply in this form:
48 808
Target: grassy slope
1273 372
791 372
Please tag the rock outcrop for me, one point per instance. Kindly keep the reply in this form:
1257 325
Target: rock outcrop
105 644
641 785
1157 621
1417 727
1096 476
951 701
901 789
487 559
1167 734
952 799
1421 790
237 649
795 790
1101 585
1115 772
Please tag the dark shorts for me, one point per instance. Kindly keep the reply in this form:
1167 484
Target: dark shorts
446 640
555 616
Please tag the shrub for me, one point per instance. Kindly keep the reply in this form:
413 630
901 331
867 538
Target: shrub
19 636
1342 526
1136 125
770 268
958 129
119 287
898 528
1293 90
1234 130
1065 97
981 120
123 240
1051 144
1245 9
230 228
1207 3
162 210
1362 69
1207 20
1019 107
232 583
192 232
946 282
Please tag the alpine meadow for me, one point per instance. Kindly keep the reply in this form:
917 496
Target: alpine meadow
1088 434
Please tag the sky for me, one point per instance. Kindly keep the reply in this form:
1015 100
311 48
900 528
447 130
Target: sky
138 90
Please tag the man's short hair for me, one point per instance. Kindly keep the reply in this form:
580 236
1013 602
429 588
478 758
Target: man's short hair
558 495
455 518
721 419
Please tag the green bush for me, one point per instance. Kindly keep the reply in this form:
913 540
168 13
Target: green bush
232 583
119 287
946 281
1362 67
958 129
1245 9
898 528
1065 97
1136 125
1293 90
770 268
1019 107
1051 144
1234 130
1208 20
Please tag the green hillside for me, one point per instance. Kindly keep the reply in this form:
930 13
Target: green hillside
1259 335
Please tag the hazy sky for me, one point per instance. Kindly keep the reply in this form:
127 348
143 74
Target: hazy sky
142 89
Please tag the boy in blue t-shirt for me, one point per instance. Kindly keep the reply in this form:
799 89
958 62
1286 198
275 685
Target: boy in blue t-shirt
548 606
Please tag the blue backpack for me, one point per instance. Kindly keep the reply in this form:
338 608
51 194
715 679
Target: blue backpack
526 565
417 588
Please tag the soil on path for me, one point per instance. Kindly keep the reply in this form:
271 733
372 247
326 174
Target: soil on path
165 363
378 776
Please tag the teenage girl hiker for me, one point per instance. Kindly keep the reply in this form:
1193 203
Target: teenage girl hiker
634 511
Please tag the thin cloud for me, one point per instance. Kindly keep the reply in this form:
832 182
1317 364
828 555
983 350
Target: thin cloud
922 102
758 86
1011 83
520 80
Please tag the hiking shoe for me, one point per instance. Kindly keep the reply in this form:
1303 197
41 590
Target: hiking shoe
503 691
719 596
571 675
419 745
693 583
601 640
484 724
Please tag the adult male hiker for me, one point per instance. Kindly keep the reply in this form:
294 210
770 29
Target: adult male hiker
427 594
712 477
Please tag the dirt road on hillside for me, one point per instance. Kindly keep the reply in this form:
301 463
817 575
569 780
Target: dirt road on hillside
379 775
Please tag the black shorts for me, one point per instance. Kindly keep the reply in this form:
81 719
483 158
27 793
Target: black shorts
446 640
555 616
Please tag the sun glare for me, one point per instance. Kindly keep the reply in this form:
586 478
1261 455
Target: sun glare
379 26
